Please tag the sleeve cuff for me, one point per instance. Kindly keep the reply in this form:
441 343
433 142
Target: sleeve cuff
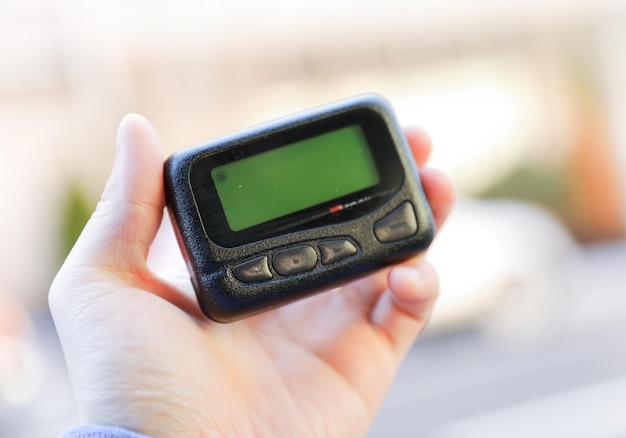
97 431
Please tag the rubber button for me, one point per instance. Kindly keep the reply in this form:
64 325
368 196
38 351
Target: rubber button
336 250
294 260
253 270
397 225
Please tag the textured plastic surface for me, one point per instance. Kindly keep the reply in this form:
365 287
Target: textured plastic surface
221 295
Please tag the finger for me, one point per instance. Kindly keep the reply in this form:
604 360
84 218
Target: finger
403 311
437 185
120 231
440 193
420 144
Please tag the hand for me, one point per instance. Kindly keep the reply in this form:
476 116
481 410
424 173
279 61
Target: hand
141 355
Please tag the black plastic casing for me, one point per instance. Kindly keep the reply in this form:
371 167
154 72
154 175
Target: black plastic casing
222 297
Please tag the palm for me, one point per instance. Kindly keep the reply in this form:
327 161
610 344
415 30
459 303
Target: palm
142 356
288 362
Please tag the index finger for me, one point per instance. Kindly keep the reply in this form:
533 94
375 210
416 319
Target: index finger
420 144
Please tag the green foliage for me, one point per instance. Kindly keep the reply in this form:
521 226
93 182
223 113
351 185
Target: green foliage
531 184
76 211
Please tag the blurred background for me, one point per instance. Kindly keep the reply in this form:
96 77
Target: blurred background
525 101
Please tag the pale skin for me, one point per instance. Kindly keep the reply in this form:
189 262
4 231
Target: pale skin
142 356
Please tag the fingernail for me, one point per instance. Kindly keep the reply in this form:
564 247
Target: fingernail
412 274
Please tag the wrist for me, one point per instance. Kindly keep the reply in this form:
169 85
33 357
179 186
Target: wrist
100 431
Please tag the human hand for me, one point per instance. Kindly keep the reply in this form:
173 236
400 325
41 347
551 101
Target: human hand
142 356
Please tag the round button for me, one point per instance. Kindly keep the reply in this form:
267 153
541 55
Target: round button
294 260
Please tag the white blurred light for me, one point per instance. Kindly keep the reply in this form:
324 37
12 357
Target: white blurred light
474 128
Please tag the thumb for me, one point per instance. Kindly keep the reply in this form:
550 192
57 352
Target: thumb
119 233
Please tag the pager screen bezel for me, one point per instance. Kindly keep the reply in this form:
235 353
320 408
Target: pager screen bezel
348 207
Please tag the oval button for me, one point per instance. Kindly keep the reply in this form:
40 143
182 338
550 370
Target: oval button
334 251
397 225
253 270
294 260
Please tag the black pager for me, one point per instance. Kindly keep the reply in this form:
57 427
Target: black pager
282 210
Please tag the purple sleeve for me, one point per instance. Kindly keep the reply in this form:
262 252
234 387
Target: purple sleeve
97 431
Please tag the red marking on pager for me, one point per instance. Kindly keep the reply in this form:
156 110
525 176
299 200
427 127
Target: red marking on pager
336 208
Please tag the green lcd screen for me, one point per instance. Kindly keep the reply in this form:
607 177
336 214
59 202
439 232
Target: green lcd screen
294 177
